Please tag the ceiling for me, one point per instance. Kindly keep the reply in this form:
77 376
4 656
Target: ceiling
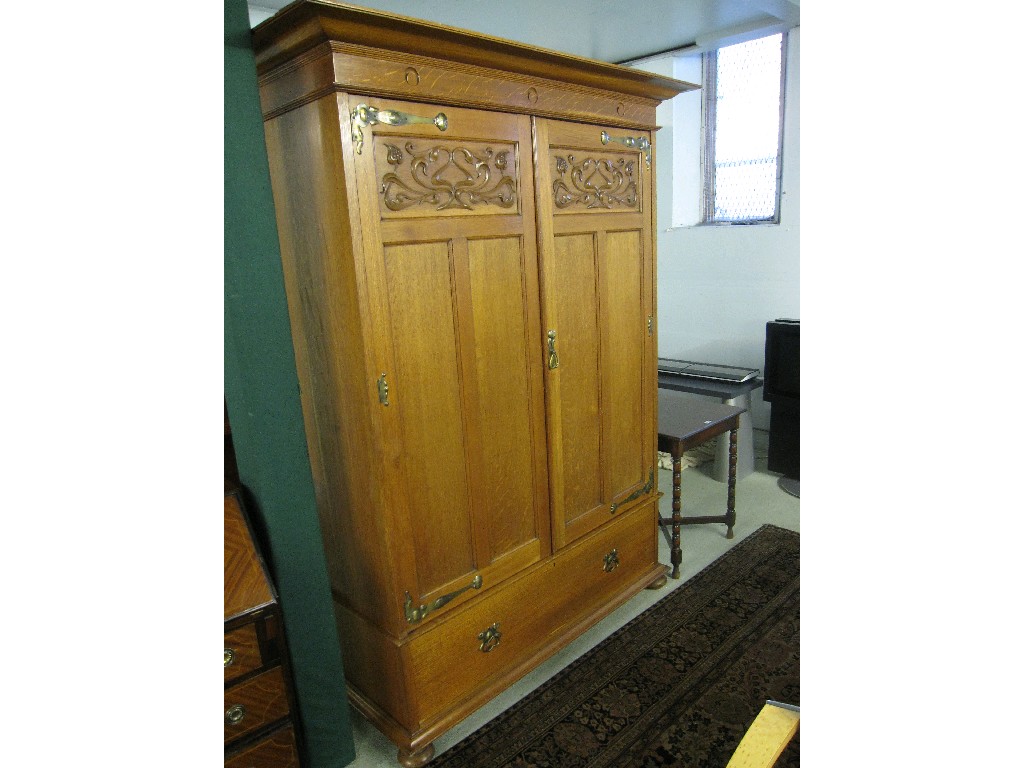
615 31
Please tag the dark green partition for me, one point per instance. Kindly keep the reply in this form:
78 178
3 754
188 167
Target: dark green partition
262 391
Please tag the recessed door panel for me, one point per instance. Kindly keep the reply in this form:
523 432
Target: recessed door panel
426 390
627 450
572 281
505 390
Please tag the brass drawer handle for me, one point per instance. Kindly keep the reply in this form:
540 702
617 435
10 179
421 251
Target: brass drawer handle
611 561
367 115
552 354
633 142
229 657
412 615
490 638
235 715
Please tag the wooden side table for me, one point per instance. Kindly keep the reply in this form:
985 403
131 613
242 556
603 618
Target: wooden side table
730 393
683 425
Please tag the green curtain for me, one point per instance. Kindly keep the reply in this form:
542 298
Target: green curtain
262 392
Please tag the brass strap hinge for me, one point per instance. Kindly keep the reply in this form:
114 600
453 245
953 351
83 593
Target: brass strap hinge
367 115
633 142
637 493
413 615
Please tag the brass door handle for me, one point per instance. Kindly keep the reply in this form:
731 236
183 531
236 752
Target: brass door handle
364 114
490 638
552 354
633 142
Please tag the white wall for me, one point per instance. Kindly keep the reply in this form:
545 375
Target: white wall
719 285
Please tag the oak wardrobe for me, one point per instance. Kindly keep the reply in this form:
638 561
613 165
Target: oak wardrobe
467 237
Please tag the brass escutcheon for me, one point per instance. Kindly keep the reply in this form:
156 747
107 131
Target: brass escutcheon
234 715
229 657
611 561
552 354
490 638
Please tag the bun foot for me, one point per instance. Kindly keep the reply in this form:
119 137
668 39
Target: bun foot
658 583
415 758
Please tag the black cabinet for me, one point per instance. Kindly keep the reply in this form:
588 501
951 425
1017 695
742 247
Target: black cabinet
782 390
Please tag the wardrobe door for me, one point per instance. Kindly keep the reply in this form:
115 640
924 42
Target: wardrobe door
449 245
595 209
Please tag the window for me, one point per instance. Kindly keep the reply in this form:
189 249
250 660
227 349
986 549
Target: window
743 105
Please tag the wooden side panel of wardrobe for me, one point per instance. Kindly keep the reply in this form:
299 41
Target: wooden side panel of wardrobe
451 258
317 224
596 254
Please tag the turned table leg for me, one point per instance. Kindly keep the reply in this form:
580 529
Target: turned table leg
677 509
730 512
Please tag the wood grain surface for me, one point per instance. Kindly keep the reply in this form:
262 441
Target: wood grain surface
426 259
245 583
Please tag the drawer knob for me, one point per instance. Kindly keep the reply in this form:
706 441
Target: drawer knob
229 657
234 715
611 561
490 638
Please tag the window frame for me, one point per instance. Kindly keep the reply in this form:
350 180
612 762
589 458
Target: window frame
709 101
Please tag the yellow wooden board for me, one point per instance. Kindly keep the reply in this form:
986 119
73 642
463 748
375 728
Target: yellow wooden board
768 735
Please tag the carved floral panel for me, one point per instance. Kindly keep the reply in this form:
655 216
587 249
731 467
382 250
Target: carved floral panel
594 183
422 177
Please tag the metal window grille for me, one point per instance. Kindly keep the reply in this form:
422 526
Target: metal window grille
743 102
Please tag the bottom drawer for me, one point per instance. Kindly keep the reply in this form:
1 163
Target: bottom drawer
254 704
276 751
509 628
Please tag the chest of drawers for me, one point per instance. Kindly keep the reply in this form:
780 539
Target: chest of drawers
259 731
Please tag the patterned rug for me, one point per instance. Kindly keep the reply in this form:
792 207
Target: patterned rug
678 686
